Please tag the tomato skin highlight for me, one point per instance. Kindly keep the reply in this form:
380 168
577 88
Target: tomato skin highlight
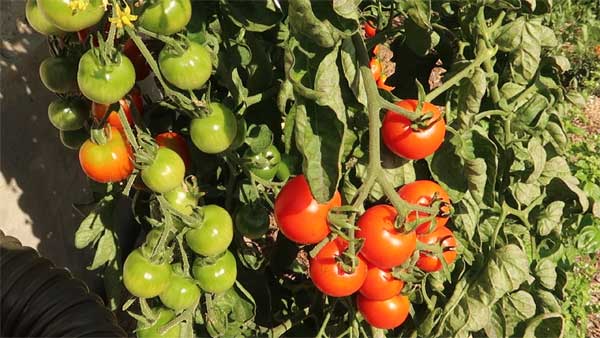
299 216
181 293
105 83
109 162
59 74
399 137
422 193
164 316
68 114
177 143
214 133
443 236
328 275
187 71
143 278
38 21
384 245
214 235
166 17
165 173
384 314
263 164
380 284
61 15
217 277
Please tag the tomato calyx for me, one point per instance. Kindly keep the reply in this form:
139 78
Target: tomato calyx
209 260
100 135
146 153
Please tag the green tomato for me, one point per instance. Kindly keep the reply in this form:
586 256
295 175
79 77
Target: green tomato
216 277
38 20
264 164
182 200
105 83
145 279
164 316
166 17
240 135
68 114
74 139
62 16
214 133
252 221
181 293
166 171
59 74
186 71
287 167
214 235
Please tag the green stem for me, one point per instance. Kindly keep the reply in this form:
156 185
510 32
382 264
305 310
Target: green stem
489 113
481 57
499 224
171 42
127 129
324 325
385 104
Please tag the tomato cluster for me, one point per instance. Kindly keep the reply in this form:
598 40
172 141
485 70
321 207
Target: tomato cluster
385 246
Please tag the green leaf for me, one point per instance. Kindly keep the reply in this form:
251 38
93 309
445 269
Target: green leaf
588 239
90 229
528 112
481 165
475 170
466 216
525 193
547 301
470 93
418 39
547 325
105 251
537 156
447 169
259 138
303 21
397 170
555 167
255 16
550 218
517 307
419 11
351 68
545 272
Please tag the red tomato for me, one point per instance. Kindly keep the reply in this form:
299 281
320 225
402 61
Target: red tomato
99 110
405 142
370 30
380 284
376 68
443 236
422 193
328 275
177 143
381 83
299 216
142 69
384 246
384 314
109 162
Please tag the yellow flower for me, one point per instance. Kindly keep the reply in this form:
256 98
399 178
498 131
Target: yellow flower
123 17
78 5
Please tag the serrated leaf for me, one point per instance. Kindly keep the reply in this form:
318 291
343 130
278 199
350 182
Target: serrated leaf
105 251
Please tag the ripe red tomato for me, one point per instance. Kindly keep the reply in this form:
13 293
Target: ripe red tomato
99 109
422 193
384 314
380 284
385 246
142 69
370 30
177 143
376 68
299 216
109 162
405 142
328 275
443 236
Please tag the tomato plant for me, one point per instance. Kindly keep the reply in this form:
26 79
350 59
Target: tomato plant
68 114
144 278
135 97
38 20
181 293
163 316
342 177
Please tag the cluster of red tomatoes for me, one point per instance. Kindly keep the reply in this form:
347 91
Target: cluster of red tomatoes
304 221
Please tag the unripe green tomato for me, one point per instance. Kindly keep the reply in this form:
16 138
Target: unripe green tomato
181 200
214 133
181 293
214 235
38 20
164 316
252 221
263 164
186 71
105 83
287 167
216 277
61 15
240 136
145 279
74 139
59 74
166 171
68 114
166 17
